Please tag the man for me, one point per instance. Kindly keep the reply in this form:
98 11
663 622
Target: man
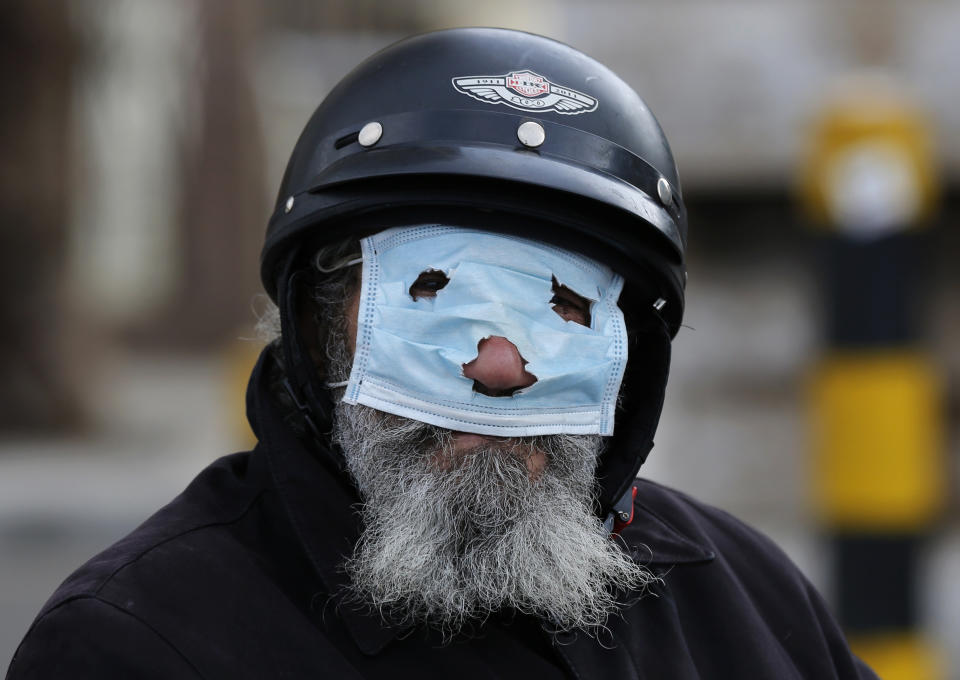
476 230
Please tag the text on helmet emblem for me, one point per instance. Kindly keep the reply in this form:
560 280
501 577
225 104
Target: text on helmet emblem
527 91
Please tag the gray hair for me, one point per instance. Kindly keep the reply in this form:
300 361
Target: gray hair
335 279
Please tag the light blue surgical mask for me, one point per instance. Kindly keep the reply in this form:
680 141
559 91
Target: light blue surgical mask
410 353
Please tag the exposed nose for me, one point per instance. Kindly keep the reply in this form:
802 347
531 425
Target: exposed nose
498 370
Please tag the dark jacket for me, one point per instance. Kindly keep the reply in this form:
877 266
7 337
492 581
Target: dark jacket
239 577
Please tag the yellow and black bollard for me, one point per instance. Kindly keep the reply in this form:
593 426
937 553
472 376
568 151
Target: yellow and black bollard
877 434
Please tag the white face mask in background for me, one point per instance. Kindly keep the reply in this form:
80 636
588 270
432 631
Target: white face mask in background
410 353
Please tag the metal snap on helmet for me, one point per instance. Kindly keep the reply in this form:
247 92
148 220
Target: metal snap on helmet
496 129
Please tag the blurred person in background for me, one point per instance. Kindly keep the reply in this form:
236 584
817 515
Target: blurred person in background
475 231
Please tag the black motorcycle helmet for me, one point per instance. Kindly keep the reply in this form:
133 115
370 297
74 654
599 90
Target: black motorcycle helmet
505 131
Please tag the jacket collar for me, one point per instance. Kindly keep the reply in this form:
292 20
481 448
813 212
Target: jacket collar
654 541
321 505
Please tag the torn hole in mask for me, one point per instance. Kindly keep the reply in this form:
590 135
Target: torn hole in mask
428 284
571 305
498 370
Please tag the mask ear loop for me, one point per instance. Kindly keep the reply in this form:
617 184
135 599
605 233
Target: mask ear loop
311 398
348 261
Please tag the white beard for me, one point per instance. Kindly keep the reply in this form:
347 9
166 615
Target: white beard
451 538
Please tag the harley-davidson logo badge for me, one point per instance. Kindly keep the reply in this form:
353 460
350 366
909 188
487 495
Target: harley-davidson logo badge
527 91
528 84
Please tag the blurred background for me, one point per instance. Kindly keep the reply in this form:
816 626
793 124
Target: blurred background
814 391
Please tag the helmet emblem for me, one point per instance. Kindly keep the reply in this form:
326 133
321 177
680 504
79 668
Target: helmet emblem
527 83
527 91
